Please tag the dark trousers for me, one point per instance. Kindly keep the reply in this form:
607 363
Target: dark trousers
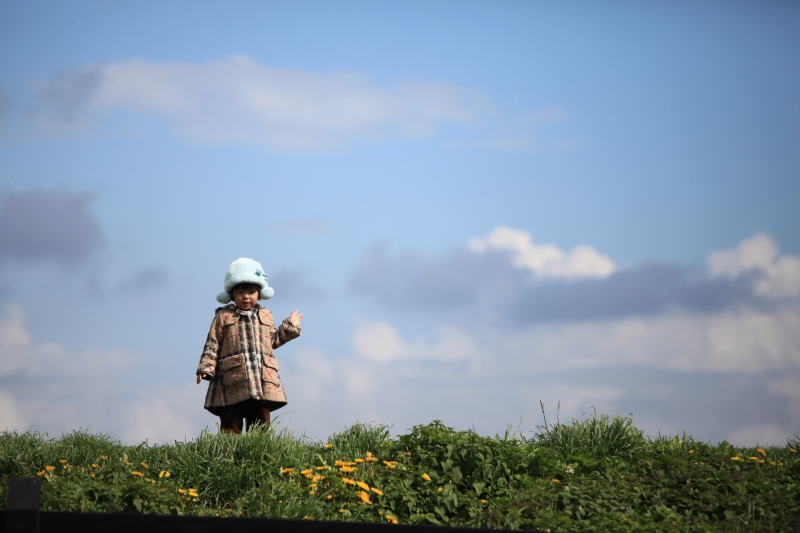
252 411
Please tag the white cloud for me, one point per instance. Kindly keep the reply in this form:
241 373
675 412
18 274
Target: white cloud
237 100
778 276
516 134
379 341
546 261
166 414
759 434
11 415
46 387
744 341
19 355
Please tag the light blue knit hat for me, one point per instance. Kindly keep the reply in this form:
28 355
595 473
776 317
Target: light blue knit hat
245 270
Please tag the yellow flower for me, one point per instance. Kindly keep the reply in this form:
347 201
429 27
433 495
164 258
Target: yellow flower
440 489
62 461
556 481
103 457
40 474
348 469
312 486
772 463
484 501
182 491
392 519
192 492
308 518
127 462
91 474
702 463
49 468
322 467
362 485
305 472
426 477
364 497
734 458
311 492
342 510
792 450
95 466
144 465
164 473
348 481
329 446
377 491
753 458
368 454
371 459
762 452
390 464
317 478
359 460
135 473
343 463
287 470
691 451
329 497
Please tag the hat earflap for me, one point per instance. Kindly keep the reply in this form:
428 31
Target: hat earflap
266 293
223 297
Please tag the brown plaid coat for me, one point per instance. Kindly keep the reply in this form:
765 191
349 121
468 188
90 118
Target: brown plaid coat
229 362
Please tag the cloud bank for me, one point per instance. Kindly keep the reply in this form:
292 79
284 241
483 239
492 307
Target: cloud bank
715 352
237 100
733 377
48 388
508 278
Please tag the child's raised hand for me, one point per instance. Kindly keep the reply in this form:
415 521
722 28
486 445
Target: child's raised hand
295 317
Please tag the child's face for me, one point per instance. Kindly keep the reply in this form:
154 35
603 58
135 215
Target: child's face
245 297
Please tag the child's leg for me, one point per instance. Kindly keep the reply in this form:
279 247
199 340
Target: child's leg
231 420
256 414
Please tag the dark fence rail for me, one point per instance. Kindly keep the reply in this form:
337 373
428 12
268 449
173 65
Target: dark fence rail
22 515
61 521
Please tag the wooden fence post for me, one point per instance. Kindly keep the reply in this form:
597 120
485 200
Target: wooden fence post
22 504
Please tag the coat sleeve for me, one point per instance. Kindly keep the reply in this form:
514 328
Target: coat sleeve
210 356
285 333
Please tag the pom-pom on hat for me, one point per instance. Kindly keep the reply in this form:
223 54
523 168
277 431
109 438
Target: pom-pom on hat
245 270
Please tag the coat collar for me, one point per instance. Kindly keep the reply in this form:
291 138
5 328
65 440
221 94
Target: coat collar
230 316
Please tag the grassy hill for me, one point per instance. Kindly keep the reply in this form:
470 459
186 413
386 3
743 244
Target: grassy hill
598 474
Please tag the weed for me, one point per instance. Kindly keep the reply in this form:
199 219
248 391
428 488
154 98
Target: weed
597 437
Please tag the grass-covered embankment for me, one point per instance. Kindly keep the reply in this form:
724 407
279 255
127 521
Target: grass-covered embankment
594 475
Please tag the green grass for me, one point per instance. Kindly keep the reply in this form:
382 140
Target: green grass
597 474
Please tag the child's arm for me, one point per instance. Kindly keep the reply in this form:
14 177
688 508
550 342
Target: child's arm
288 330
208 360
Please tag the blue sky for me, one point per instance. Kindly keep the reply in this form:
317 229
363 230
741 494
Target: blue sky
477 205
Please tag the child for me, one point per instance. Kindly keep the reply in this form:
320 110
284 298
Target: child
237 358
